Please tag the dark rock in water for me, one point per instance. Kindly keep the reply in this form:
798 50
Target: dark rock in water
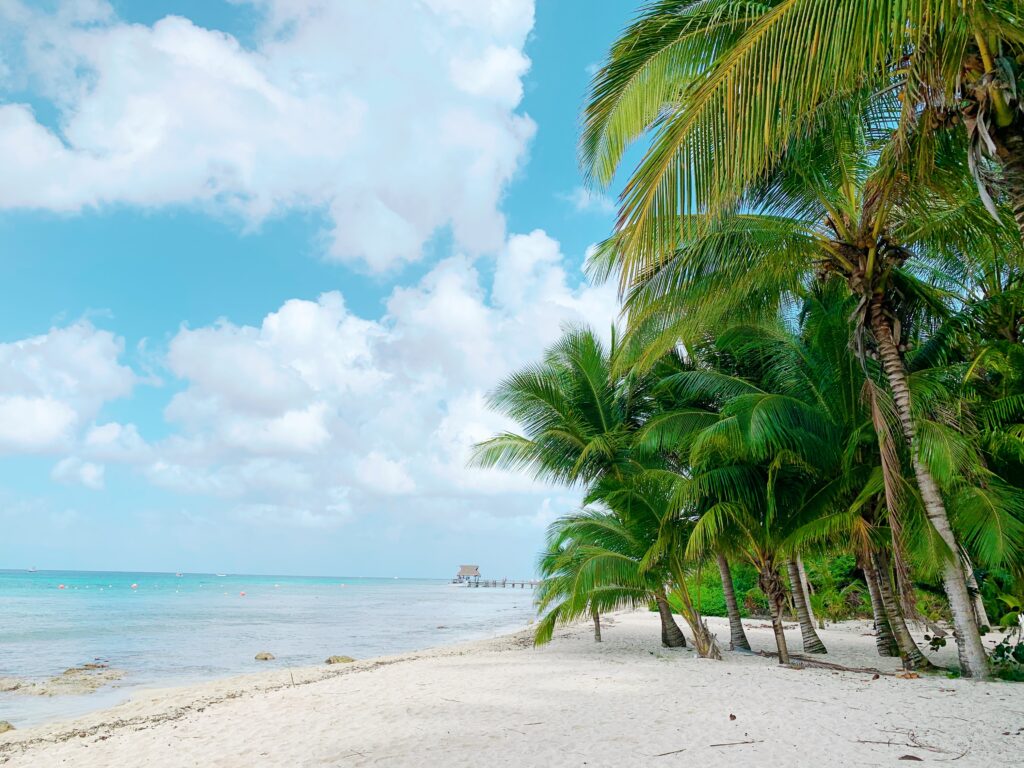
264 656
340 660
5 726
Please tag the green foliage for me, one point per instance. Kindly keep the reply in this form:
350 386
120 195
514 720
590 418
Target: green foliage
706 588
1008 655
754 602
1013 607
930 604
819 318
838 592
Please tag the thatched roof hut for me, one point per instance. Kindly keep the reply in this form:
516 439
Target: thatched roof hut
469 571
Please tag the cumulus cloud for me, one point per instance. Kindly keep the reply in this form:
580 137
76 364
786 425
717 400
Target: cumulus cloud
53 385
393 118
317 414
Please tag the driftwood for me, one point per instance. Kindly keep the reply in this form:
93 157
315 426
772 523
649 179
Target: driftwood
828 664
735 743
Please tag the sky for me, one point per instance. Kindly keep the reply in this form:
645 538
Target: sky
262 261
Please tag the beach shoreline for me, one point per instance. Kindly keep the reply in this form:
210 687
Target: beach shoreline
573 702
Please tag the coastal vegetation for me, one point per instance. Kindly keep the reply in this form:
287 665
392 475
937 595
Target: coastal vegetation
816 392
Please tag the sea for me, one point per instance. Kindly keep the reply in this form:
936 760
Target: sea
165 629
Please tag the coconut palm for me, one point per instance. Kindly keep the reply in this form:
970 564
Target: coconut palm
645 501
577 417
592 565
580 421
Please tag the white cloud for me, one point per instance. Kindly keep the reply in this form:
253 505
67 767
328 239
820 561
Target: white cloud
496 74
53 384
73 470
34 424
394 118
588 201
115 442
317 415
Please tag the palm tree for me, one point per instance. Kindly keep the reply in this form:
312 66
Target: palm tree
795 452
580 421
593 565
647 499
812 643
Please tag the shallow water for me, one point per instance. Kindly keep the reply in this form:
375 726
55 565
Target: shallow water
171 629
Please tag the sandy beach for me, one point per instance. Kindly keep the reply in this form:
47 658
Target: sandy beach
502 702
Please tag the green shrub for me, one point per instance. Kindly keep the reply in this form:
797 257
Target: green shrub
931 605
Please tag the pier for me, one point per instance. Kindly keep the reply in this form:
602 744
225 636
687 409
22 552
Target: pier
500 583
470 576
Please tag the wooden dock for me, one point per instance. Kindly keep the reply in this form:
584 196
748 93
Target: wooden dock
499 583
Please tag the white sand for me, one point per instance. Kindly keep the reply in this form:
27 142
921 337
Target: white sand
625 702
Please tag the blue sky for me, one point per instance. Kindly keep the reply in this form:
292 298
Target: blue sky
262 261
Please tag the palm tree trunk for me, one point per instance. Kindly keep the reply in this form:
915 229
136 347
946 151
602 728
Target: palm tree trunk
885 641
973 660
703 640
671 635
737 637
910 654
980 614
806 584
770 583
597 626
812 643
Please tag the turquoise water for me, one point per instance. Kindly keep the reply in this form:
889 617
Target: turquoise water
172 629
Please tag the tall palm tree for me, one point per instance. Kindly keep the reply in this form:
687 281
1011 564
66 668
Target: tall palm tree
796 435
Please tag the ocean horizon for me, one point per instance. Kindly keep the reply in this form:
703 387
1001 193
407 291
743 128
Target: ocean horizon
164 629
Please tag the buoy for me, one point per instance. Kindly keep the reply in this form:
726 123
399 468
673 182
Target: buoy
241 594
61 587
135 586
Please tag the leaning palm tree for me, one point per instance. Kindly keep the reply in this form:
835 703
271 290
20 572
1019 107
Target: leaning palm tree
592 565
580 420
645 501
